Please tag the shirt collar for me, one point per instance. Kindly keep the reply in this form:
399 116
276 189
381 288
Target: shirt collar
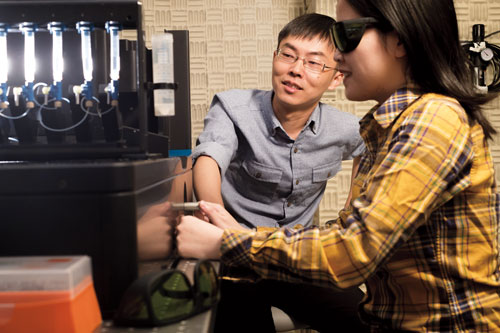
313 121
386 113
267 107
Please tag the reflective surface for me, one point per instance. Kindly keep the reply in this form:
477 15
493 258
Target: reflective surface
88 207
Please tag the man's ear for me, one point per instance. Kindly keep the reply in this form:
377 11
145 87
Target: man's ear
336 80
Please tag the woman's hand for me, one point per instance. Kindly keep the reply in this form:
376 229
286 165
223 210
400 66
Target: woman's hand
219 216
198 239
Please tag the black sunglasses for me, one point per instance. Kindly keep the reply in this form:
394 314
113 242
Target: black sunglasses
347 34
167 297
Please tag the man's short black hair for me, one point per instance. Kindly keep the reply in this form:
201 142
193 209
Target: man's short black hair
308 26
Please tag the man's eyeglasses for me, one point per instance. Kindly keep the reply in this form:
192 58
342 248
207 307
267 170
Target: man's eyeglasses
167 296
287 55
347 34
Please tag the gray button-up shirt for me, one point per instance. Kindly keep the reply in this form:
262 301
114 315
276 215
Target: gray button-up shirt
268 179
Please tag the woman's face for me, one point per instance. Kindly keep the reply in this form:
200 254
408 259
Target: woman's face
376 67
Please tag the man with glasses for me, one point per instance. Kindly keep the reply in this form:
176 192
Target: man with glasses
267 156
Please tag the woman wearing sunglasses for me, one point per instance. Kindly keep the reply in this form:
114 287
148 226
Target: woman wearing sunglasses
423 230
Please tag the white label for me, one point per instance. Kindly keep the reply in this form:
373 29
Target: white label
163 72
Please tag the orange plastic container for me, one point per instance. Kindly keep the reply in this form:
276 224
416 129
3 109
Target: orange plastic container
47 294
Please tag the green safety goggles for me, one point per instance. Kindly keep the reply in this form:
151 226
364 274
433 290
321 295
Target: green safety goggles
347 34
167 296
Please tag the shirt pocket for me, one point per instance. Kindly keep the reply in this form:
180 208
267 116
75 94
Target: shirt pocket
324 172
320 176
258 182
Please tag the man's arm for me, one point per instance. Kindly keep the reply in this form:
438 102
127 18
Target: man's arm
214 151
207 180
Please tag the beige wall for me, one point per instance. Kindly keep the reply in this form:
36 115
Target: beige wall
231 45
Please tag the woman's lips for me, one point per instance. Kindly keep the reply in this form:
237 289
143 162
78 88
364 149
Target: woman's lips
344 72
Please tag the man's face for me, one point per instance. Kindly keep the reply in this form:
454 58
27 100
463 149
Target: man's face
296 87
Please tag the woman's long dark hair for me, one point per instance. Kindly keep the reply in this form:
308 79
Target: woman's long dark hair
436 61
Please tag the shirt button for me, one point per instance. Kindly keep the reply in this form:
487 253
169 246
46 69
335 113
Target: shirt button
258 175
288 204
297 182
295 149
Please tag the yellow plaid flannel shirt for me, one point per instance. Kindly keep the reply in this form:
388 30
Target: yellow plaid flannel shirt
423 233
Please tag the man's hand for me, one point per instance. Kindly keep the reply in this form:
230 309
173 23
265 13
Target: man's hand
198 239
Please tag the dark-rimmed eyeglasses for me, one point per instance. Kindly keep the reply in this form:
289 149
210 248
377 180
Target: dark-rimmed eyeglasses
167 296
347 34
314 65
